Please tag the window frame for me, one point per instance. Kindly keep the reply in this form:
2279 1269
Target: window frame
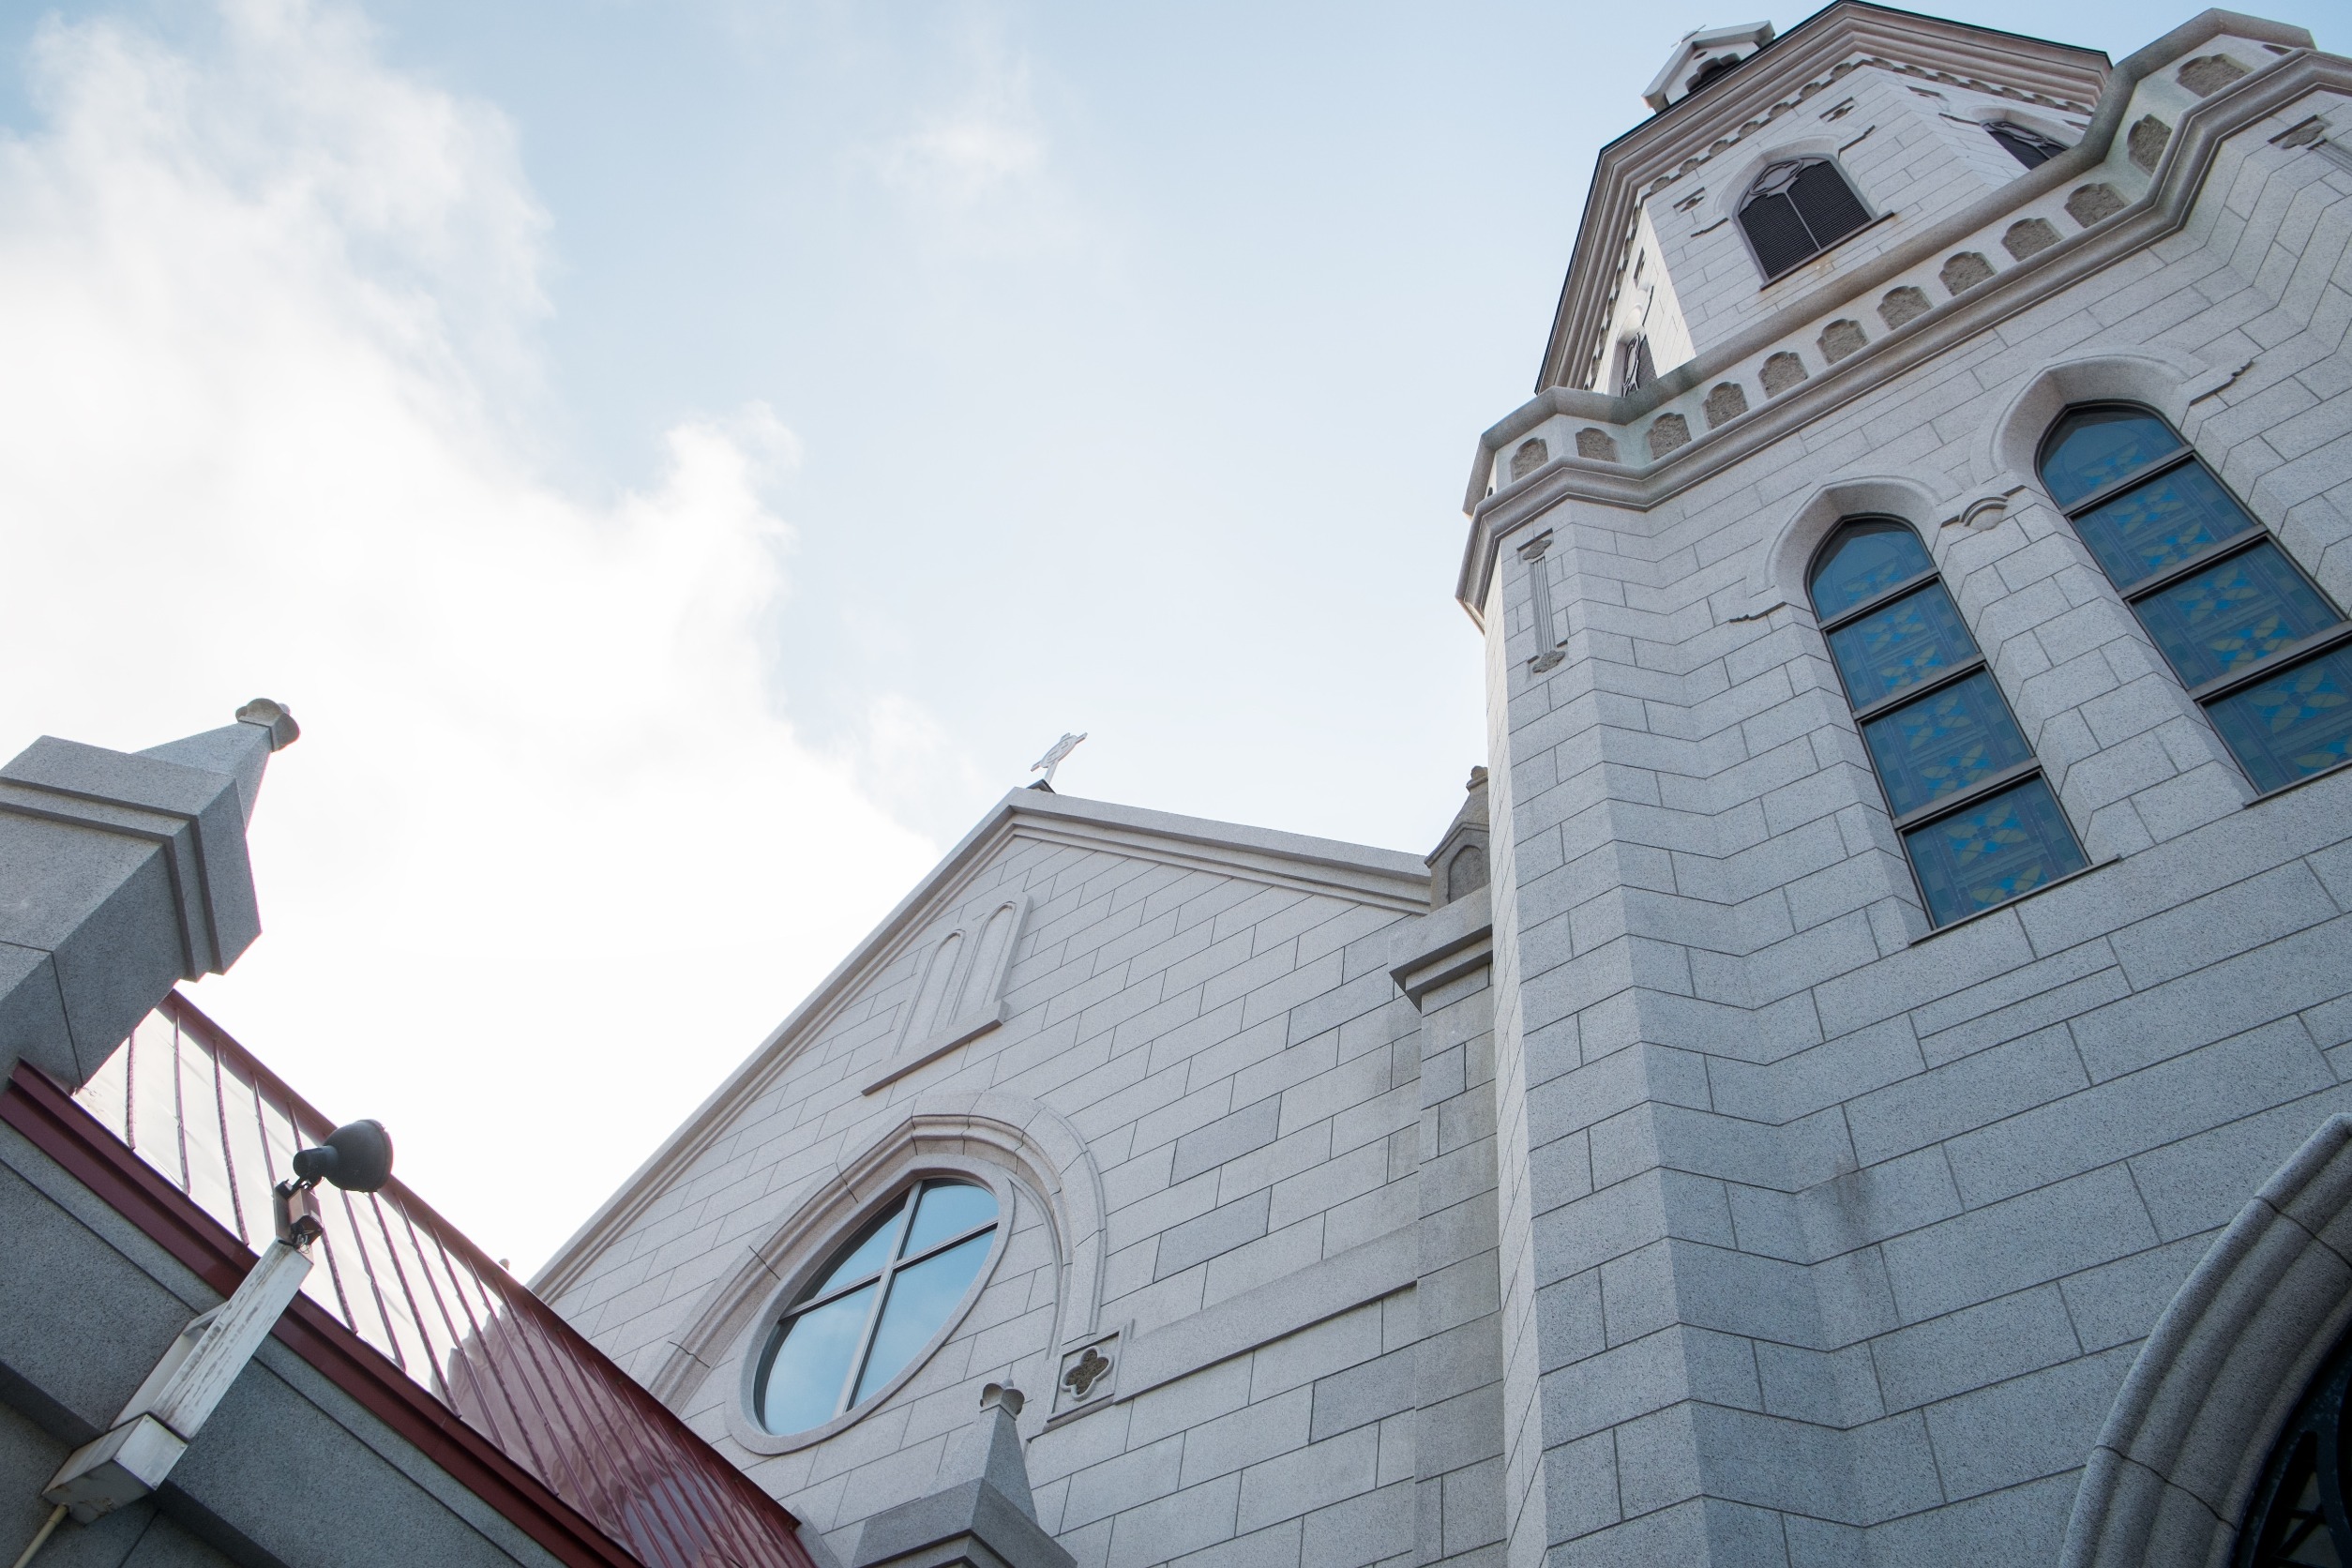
1871 212
801 1296
2317 1419
2205 693
1906 823
2023 132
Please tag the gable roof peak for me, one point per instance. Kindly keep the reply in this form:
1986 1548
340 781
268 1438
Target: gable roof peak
1699 58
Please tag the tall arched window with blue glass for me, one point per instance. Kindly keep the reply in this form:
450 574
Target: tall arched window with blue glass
2260 647
1974 813
886 1294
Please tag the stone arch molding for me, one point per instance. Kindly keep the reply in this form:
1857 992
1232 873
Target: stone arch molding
1778 575
1723 201
2216 1380
2167 380
986 1134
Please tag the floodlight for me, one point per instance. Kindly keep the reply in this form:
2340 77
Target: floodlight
356 1157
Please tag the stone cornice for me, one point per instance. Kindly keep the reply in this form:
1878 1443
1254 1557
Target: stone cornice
1792 68
2158 211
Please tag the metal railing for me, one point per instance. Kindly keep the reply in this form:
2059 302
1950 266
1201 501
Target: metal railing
202 1111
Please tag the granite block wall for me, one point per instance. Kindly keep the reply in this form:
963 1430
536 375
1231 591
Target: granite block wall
1244 1078
1726 1210
1842 1231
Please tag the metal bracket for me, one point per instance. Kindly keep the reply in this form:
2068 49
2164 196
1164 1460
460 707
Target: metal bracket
155 1428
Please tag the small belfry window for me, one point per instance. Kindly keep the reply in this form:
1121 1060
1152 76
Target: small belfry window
1636 370
2252 638
1974 813
2029 147
2297 1517
887 1293
1796 209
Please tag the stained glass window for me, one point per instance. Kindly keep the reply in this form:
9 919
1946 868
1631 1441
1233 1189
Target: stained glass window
1980 825
2250 636
890 1290
1990 852
1795 210
1869 558
2297 1518
1947 742
1915 638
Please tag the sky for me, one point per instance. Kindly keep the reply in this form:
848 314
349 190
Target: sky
681 463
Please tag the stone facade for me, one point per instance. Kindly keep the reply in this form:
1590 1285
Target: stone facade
1683 1193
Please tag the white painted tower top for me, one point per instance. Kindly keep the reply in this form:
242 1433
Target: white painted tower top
1701 57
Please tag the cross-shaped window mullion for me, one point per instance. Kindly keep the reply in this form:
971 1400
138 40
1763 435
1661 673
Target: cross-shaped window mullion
881 1282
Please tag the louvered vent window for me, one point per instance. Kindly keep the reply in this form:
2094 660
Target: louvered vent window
1795 210
2029 147
2268 655
1636 370
1969 800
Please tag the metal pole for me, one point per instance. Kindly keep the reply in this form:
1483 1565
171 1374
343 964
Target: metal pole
41 1539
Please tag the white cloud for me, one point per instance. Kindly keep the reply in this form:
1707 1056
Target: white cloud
977 171
959 159
548 858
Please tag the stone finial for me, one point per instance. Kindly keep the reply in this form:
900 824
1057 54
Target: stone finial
1964 270
128 873
1458 866
2146 142
989 1449
2029 236
2092 203
275 718
982 1512
242 751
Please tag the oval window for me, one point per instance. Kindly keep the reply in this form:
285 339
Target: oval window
889 1289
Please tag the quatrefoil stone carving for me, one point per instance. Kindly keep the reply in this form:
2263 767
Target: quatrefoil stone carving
1089 1369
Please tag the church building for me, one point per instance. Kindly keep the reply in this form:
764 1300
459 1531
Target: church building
1864 1077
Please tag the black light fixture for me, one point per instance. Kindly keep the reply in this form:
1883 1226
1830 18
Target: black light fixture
356 1157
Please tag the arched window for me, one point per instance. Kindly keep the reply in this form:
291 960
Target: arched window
2029 147
1974 813
1796 209
887 1292
2297 1517
2250 636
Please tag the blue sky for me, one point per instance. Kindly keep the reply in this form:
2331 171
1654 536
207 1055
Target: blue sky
684 461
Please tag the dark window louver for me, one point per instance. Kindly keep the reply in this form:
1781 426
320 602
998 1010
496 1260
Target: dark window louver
1713 70
1795 210
2029 147
1636 370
